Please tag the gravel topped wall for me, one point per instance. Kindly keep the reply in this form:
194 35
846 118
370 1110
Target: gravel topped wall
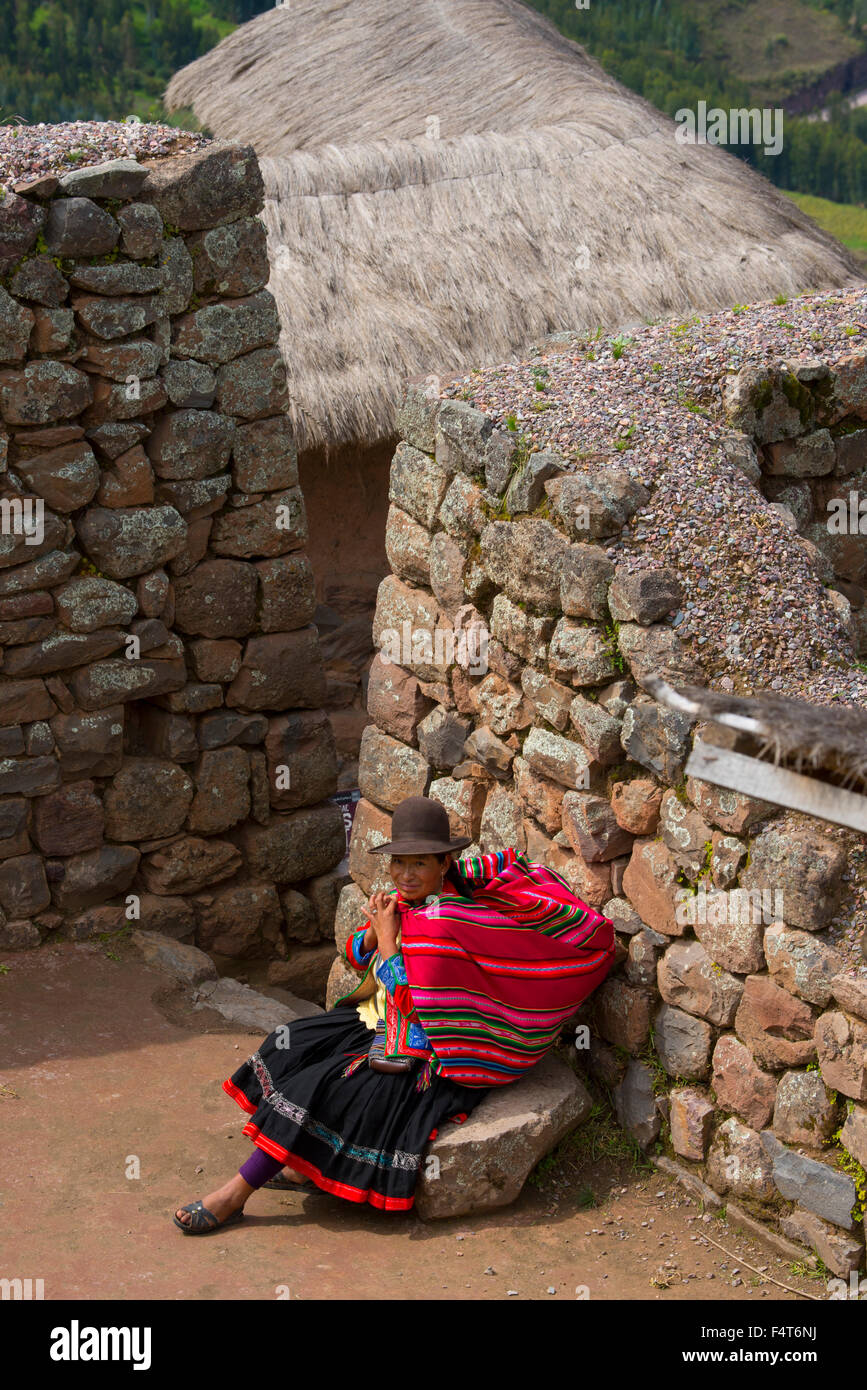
164 754
545 562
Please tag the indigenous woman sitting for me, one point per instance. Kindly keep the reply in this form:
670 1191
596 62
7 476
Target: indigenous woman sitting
468 972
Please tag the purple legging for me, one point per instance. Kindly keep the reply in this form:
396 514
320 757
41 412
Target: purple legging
259 1168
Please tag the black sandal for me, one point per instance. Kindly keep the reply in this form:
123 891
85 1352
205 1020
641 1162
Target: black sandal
202 1221
282 1184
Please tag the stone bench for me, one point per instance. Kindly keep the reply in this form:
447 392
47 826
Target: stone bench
484 1162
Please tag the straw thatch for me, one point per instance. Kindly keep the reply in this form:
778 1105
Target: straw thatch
316 72
401 258
554 199
829 739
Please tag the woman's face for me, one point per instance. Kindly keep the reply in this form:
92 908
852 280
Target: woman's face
417 875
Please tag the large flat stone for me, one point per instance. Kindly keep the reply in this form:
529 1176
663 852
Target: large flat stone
691 1117
563 760
525 558
801 962
370 827
651 885
395 700
43 392
240 920
231 259
342 979
776 1027
117 178
623 1013
351 913
125 541
740 1085
816 1186
248 1008
850 992
484 1162
280 670
189 864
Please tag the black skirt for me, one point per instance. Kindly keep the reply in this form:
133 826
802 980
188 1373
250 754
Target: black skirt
361 1137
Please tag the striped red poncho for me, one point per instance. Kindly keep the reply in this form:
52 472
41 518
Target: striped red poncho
493 977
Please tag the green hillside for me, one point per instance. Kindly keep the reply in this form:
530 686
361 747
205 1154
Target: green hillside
738 53
777 46
845 222
80 60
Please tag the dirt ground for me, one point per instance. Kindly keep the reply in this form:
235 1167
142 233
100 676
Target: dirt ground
101 1062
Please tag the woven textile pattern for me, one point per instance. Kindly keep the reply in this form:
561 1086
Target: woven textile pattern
493 978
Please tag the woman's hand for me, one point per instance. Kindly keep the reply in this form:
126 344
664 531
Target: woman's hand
382 909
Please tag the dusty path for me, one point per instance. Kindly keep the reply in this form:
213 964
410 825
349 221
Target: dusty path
99 1062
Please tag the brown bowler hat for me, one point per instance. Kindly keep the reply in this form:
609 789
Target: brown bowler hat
420 826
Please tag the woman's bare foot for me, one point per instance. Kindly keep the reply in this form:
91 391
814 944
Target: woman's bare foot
224 1201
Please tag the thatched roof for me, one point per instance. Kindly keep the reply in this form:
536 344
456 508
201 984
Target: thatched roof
315 72
404 258
825 738
396 254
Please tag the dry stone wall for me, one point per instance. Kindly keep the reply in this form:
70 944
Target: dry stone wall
732 1032
804 442
164 755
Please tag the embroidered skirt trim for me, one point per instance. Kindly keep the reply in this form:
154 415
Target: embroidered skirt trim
379 1158
339 1189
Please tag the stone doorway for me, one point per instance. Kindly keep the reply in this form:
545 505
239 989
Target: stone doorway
346 496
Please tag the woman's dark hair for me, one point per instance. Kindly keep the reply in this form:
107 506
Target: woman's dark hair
453 875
